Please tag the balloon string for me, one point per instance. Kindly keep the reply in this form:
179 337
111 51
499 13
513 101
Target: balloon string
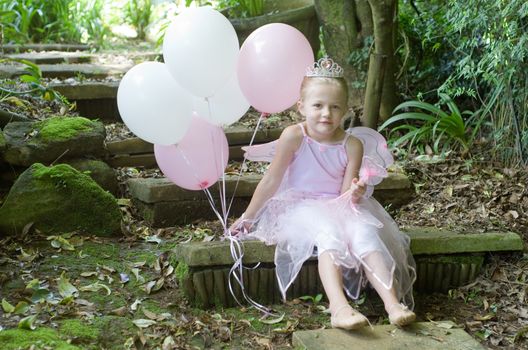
262 115
237 272
236 248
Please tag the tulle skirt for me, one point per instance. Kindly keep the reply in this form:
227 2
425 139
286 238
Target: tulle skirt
360 237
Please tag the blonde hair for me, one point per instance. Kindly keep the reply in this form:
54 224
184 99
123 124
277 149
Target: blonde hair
341 82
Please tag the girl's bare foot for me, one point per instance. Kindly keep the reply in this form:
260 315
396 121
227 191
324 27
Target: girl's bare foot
346 317
400 315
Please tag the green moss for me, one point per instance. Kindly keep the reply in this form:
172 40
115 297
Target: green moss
63 128
41 338
451 259
114 331
2 140
60 199
79 330
181 271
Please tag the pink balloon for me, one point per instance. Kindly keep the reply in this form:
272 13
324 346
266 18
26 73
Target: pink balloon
271 65
198 160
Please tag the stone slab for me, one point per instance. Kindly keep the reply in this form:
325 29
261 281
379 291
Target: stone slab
218 253
53 57
166 214
64 71
88 90
235 136
152 190
417 336
9 48
435 241
148 160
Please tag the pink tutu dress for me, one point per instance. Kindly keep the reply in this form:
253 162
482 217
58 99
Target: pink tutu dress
308 216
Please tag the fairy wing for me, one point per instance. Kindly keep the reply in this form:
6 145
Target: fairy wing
376 155
260 153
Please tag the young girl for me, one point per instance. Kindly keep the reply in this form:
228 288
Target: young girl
314 198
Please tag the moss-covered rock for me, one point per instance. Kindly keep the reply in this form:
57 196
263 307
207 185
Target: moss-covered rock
99 171
59 199
3 143
56 137
41 338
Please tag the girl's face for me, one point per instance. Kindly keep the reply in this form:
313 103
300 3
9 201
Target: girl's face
323 104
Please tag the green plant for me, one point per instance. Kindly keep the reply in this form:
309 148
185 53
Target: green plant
430 124
315 300
33 77
138 13
235 8
490 38
50 21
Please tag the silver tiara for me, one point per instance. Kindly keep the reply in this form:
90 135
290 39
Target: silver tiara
325 67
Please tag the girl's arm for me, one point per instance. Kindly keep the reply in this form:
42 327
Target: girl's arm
288 144
354 149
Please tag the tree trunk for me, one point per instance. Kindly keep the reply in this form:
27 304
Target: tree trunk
380 97
345 25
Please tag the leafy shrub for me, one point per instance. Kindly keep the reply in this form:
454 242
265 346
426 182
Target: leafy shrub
431 125
49 21
138 13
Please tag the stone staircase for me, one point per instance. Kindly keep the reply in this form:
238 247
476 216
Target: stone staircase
444 260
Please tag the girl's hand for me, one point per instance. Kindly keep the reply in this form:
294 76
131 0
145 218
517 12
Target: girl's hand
358 189
240 226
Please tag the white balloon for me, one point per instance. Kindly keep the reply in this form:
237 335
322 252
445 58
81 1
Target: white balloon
153 105
200 49
226 106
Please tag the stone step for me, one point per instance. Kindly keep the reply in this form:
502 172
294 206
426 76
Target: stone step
161 203
437 335
53 57
424 241
87 91
15 48
444 260
137 152
64 71
148 160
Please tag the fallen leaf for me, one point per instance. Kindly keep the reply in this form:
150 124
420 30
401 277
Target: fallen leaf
168 271
124 278
66 289
153 239
135 305
89 274
150 314
483 318
445 325
21 308
60 242
168 343
273 320
94 287
143 323
120 311
28 323
7 307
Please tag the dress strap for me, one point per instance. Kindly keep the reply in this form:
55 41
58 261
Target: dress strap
302 128
345 139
